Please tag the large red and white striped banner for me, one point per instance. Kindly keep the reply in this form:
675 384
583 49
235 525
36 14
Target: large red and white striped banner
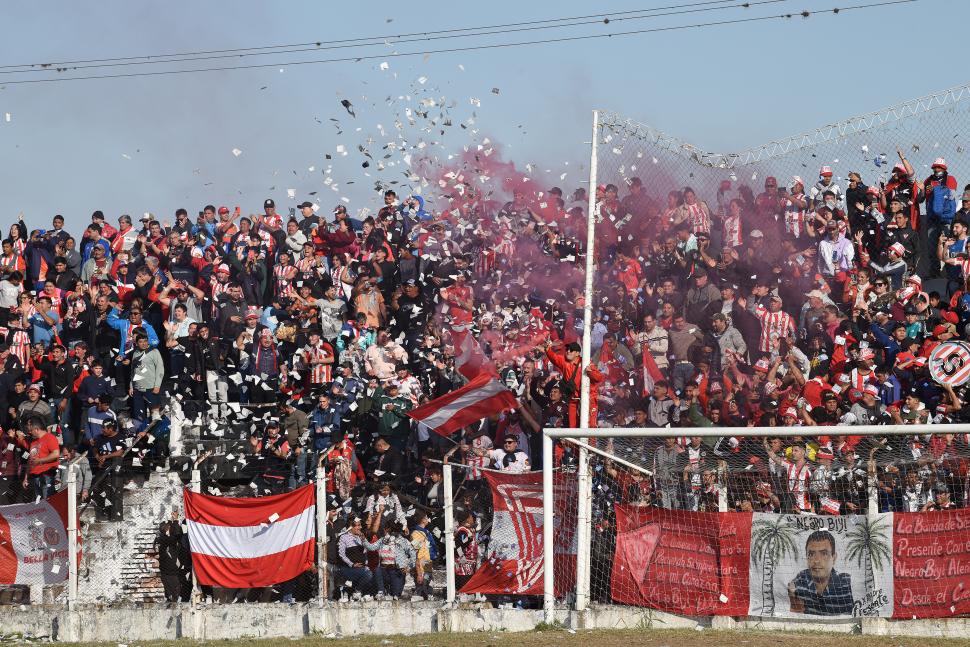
482 397
513 563
248 543
33 542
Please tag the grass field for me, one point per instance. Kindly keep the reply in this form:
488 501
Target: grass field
629 638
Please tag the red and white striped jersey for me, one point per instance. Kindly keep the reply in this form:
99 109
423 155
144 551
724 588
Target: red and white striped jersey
700 219
284 279
799 479
859 380
319 373
19 246
307 265
795 217
485 262
20 345
731 234
773 323
484 444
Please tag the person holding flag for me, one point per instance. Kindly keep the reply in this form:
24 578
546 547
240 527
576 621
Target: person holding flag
569 364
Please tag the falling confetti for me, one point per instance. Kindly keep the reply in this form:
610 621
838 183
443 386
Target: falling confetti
236 152
347 105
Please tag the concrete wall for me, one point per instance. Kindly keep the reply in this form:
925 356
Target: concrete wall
118 560
92 623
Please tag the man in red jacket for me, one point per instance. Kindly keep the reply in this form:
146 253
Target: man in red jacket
568 364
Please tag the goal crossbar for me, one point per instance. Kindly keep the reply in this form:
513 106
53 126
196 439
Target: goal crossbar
847 430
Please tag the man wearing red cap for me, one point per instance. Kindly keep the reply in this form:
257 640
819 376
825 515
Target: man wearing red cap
940 189
826 185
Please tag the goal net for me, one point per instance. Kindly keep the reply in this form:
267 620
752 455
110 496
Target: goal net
774 522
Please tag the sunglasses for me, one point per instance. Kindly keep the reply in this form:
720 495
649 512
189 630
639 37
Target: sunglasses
880 284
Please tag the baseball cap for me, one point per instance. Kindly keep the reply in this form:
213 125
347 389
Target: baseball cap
268 202
756 234
305 204
222 268
905 360
940 329
871 389
223 210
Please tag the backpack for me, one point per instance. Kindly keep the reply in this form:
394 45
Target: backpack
943 205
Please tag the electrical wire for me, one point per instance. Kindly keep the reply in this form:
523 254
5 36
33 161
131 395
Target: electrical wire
451 50
381 39
744 5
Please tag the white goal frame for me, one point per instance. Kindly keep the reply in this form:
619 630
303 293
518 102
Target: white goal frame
582 436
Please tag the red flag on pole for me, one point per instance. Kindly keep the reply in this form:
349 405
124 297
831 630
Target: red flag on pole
651 374
470 361
480 398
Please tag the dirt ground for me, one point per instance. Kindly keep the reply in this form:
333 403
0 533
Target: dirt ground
627 638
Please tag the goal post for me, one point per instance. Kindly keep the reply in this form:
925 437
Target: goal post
606 446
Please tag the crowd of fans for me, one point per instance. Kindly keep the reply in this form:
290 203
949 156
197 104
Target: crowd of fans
796 305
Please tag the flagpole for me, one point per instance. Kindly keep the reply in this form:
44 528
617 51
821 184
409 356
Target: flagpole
583 516
321 492
72 534
449 533
548 532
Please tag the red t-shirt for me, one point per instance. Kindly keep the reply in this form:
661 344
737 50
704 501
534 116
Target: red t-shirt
41 448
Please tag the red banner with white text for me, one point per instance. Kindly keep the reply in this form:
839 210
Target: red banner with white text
899 565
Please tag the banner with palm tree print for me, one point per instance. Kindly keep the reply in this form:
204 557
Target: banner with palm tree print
809 565
903 565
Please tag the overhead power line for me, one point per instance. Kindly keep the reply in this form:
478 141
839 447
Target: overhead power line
549 23
450 50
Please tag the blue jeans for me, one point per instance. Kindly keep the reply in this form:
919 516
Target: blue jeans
360 578
64 420
43 484
680 375
141 402
390 580
299 471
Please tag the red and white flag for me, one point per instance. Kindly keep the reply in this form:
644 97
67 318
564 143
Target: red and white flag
513 563
651 373
248 543
33 542
470 361
480 398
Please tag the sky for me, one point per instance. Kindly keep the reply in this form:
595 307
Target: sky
158 143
